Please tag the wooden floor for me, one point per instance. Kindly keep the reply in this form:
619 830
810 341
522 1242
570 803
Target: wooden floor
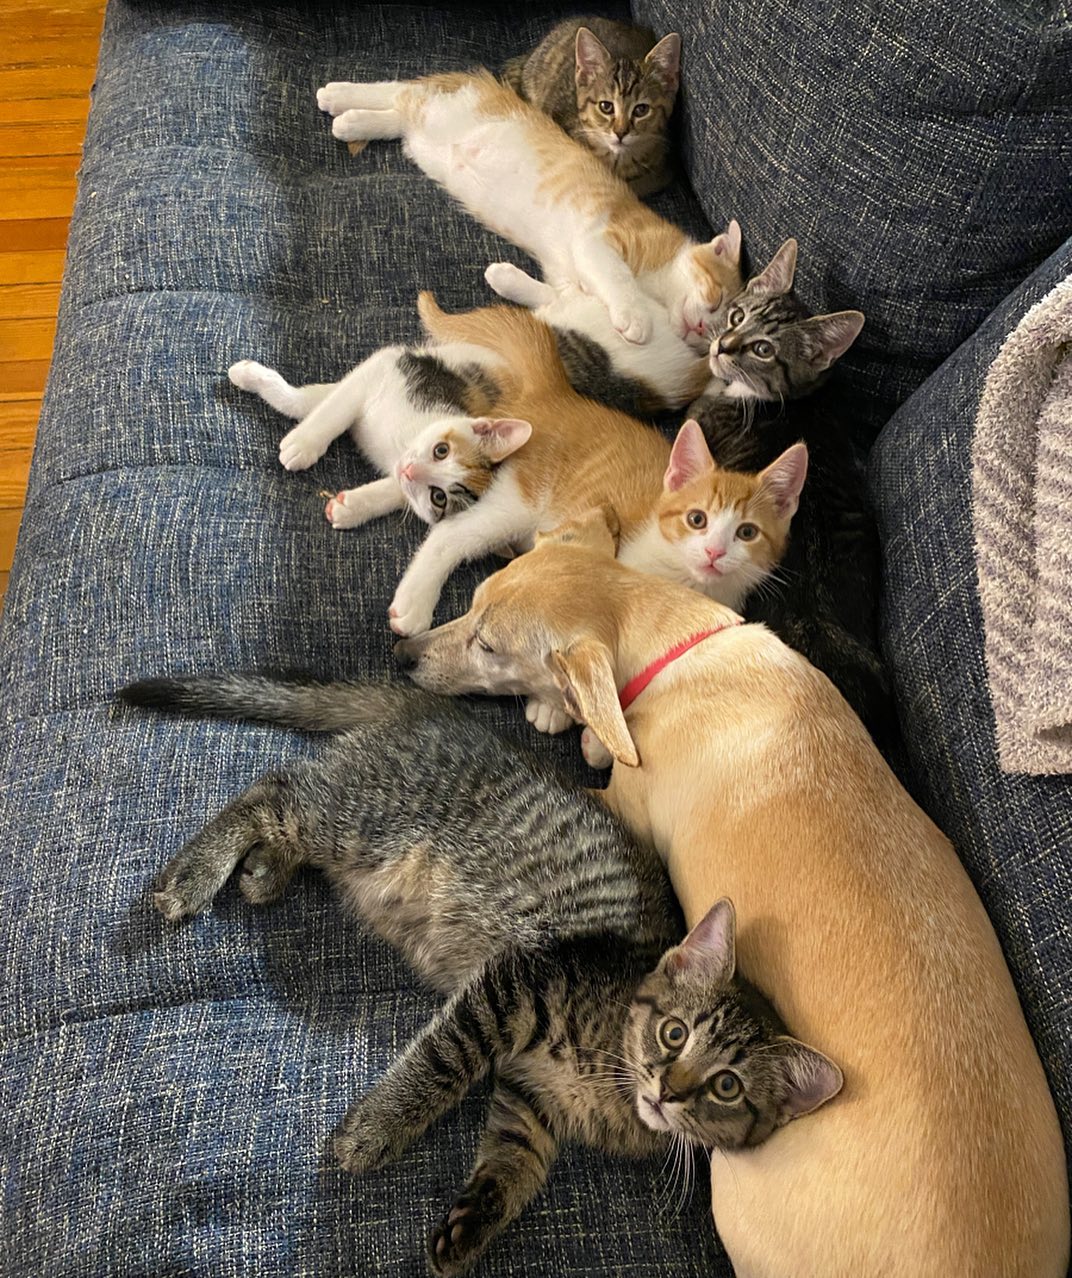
48 53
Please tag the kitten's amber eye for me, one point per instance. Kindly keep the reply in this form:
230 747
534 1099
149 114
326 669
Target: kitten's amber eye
725 1086
736 316
673 1034
640 110
440 451
747 532
606 107
439 498
696 519
763 349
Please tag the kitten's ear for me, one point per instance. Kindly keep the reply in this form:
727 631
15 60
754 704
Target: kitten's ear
784 478
498 437
598 529
830 336
811 1079
665 60
593 59
709 952
689 458
728 244
585 677
777 276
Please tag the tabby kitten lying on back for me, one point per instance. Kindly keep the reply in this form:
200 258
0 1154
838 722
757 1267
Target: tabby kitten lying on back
555 934
612 88
518 173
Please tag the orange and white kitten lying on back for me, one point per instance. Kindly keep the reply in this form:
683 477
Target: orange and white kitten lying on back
515 170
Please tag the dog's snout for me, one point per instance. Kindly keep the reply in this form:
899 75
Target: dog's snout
405 655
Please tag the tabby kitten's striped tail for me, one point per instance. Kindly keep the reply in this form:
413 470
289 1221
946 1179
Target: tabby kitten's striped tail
308 707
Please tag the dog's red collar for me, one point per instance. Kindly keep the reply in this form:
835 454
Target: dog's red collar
639 682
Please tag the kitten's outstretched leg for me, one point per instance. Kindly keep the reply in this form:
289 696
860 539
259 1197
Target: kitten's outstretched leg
361 125
453 1051
515 1155
258 823
357 506
498 517
346 95
274 389
606 274
515 285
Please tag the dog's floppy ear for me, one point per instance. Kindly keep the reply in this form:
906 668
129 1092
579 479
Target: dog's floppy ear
584 676
597 529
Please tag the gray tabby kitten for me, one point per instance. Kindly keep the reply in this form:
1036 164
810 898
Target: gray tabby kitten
555 935
612 88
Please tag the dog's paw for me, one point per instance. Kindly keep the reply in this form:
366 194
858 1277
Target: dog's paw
595 753
466 1230
545 717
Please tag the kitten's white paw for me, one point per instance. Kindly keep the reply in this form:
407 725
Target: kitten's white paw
248 375
347 510
596 754
505 279
297 451
411 611
634 326
353 126
546 718
338 96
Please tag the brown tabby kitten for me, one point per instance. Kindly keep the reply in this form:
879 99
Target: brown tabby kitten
611 87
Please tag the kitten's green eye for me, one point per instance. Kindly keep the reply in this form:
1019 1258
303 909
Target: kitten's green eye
725 1086
440 451
736 316
439 498
764 350
696 519
640 110
747 532
673 1034
606 107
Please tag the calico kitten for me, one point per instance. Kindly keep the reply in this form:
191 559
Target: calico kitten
612 88
767 345
520 896
517 172
410 412
824 601
762 343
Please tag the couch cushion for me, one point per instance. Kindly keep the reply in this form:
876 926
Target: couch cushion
921 153
1014 833
168 1092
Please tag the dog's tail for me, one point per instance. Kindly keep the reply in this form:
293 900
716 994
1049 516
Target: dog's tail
526 343
306 706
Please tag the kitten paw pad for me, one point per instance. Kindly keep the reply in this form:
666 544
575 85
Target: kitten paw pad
634 326
298 452
465 1232
346 510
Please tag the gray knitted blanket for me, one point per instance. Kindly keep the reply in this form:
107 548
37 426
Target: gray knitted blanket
1022 501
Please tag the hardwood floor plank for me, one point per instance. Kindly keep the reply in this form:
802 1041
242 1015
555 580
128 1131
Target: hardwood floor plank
23 48
45 202
26 339
43 110
29 301
9 527
43 267
23 380
18 423
32 234
3 586
62 82
55 137
14 470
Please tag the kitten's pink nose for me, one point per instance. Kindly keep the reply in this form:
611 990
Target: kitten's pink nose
714 554
406 471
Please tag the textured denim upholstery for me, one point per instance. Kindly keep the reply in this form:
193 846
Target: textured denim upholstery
921 153
1014 833
166 1092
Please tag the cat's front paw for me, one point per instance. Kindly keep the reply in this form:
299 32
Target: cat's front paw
361 1142
248 375
297 451
182 889
635 326
338 96
411 611
595 753
545 717
466 1230
347 510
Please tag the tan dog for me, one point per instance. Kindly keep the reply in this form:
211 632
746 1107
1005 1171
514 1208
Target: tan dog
942 1158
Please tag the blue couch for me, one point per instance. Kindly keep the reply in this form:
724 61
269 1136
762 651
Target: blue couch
167 1092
